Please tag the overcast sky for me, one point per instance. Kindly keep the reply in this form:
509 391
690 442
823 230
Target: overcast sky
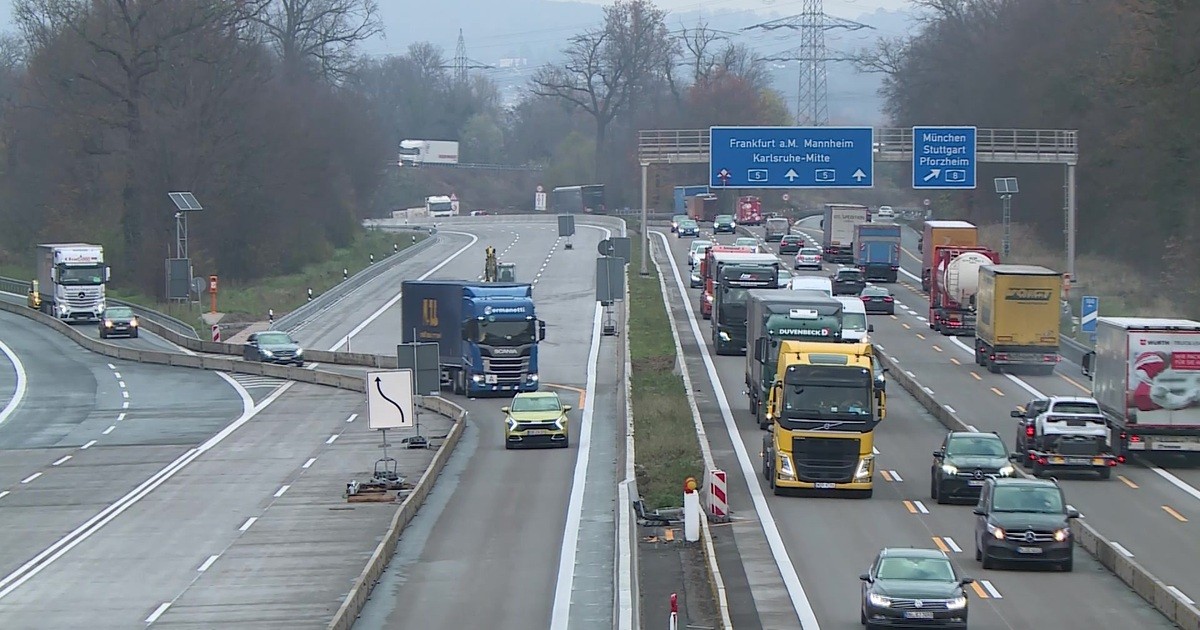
841 8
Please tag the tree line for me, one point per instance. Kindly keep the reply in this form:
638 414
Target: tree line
1121 72
287 135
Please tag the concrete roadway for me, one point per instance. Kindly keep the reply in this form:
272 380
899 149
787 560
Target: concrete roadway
830 541
492 531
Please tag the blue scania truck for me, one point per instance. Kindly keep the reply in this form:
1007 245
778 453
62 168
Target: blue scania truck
488 334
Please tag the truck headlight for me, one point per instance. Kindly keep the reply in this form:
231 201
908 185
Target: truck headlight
478 378
724 336
879 600
996 532
785 467
958 603
708 298
1062 534
1007 470
949 469
864 467
533 377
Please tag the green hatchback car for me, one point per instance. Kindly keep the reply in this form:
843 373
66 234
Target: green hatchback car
536 419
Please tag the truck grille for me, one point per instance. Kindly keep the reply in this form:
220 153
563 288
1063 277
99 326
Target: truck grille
825 460
88 299
508 370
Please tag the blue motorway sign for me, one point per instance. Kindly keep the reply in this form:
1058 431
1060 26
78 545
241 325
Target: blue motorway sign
1089 312
791 157
944 158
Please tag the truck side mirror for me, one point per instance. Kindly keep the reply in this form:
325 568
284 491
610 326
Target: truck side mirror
54 274
1016 414
760 349
870 328
108 274
937 454
541 330
470 329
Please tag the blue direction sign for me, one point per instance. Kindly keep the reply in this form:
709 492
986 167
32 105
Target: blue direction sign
1089 312
791 157
944 158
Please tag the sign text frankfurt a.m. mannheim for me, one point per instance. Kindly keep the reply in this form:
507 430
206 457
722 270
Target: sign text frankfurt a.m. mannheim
791 157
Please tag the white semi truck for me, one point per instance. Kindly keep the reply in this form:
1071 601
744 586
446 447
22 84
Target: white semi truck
418 152
71 280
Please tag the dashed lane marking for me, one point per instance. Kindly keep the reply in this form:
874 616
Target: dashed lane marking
997 392
1174 514
1125 480
915 507
976 376
991 589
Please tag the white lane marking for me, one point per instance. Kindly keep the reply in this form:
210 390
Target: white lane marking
987 586
158 612
117 375
88 445
927 390
951 544
1121 549
565 582
309 463
111 366
22 382
1176 481
332 439
121 417
791 580
124 393
62 460
920 507
125 405
910 374
208 563
352 417
109 430
31 477
396 298
895 475
949 408
874 451
4 494
48 556
121 383
250 521
1178 593
909 274
281 490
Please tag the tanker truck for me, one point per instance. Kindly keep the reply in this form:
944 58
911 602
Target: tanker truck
943 234
953 283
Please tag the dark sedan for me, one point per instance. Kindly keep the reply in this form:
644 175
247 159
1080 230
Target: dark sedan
272 346
913 588
848 281
790 243
878 300
119 321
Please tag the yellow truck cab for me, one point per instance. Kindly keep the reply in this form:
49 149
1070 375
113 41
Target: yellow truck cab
823 408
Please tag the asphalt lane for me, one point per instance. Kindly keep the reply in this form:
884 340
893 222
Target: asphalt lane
830 541
492 530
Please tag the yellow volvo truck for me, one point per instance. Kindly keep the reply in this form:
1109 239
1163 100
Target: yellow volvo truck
823 408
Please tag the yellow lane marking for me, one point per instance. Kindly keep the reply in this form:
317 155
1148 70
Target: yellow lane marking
1073 382
1125 480
1179 517
1021 408
937 348
906 326
941 545
979 590
920 336
912 509
886 475
976 376
997 392
571 388
954 361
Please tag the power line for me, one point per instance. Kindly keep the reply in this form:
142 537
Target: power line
462 64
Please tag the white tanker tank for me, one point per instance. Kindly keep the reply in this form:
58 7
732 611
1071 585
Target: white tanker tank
960 276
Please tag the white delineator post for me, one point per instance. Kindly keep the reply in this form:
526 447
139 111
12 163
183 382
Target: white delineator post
691 511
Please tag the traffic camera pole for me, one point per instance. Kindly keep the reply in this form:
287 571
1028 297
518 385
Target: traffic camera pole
645 228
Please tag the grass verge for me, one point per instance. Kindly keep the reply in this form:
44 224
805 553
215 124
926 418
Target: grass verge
665 441
249 301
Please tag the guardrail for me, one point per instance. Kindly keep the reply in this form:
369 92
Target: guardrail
1150 588
21 287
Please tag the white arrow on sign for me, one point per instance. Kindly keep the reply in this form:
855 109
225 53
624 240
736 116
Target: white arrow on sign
390 399
859 175
933 173
791 175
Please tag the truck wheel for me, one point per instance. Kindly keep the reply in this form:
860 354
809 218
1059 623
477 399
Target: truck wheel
1105 473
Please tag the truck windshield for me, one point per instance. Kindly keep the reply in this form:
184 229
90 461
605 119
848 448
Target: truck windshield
81 275
441 206
512 333
828 397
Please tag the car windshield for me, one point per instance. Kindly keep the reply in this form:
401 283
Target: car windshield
922 569
810 251
1027 499
687 224
851 276
745 242
856 322
698 246
1076 407
274 338
535 403
875 291
679 218
118 312
724 218
976 446
791 238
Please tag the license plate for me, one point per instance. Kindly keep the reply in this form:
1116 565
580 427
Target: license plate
1078 460
918 614
538 432
1057 460
824 486
975 482
491 379
1029 549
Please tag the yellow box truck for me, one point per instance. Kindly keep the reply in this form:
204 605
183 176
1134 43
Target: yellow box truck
1017 318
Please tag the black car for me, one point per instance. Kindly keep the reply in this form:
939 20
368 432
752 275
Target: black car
790 243
687 227
1023 520
724 223
848 281
273 346
964 462
913 588
119 321
677 219
878 299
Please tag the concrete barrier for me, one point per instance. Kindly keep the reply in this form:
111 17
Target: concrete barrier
356 599
1150 588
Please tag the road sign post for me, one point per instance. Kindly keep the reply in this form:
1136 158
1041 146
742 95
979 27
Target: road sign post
791 157
1089 313
944 158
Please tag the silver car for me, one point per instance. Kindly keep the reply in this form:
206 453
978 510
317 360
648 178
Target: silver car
808 258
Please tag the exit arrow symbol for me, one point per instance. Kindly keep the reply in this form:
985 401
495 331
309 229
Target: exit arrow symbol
791 175
933 173
859 175
379 388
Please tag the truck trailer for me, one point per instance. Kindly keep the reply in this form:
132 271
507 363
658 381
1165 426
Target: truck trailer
703 208
488 334
1146 378
1017 318
877 251
734 280
943 234
71 281
683 192
418 152
837 231
954 282
749 210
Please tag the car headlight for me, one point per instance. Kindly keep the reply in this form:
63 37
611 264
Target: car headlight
879 600
299 351
733 224
958 603
478 378
950 469
268 353
108 323
133 322
1062 534
996 532
512 423
561 423
1007 470
724 336
696 278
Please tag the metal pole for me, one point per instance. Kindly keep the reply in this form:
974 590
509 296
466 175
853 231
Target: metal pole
1006 201
1071 222
645 226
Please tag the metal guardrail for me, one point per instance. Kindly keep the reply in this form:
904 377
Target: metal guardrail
21 287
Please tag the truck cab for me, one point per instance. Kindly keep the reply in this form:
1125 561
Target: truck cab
708 265
734 282
773 317
1067 432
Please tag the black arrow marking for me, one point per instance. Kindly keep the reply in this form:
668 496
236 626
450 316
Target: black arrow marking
379 388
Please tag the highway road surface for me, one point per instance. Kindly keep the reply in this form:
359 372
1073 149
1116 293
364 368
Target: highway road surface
502 525
818 547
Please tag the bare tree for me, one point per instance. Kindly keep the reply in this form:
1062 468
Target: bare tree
886 57
699 42
316 35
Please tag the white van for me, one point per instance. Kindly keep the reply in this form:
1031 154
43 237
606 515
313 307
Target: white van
814 283
854 320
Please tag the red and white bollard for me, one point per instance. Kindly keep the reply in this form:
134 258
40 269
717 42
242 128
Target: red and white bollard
674 623
691 511
216 332
718 500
